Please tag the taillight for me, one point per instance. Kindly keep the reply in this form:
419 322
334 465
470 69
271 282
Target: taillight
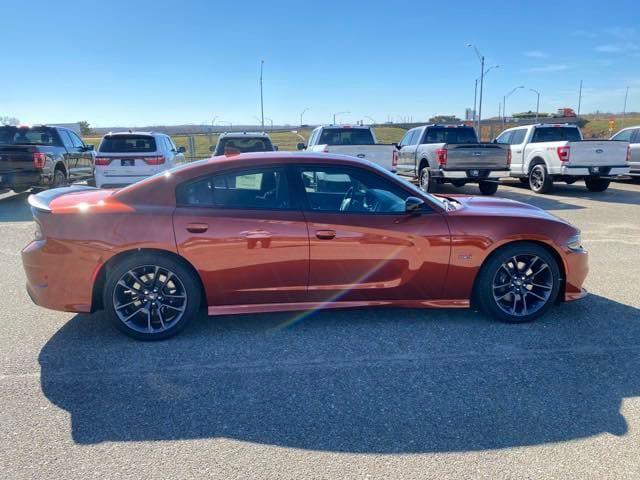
563 153
39 159
442 156
154 160
509 155
103 161
628 153
394 159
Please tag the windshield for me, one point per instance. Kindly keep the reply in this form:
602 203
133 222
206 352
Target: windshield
243 145
128 144
346 136
556 134
28 136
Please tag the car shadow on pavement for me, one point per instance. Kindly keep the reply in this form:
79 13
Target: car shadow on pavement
14 208
364 381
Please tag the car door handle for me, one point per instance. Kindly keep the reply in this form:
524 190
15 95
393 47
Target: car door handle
197 227
326 234
518 151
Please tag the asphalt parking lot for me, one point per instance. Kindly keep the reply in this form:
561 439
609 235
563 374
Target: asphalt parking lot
379 393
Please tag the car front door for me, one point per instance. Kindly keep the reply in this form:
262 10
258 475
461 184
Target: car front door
516 142
406 156
84 157
245 235
363 246
635 151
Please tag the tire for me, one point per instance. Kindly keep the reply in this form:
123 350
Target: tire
143 301
458 183
539 179
488 188
426 181
536 265
59 179
596 184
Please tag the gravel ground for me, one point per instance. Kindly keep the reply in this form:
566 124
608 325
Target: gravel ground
378 393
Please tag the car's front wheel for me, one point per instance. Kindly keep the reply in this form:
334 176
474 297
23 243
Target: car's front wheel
151 296
539 179
518 283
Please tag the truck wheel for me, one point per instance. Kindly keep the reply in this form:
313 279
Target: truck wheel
426 181
597 184
458 183
488 188
59 179
539 179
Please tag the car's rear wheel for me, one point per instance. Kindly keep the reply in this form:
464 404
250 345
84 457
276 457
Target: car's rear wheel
151 296
539 179
488 188
597 184
518 283
59 179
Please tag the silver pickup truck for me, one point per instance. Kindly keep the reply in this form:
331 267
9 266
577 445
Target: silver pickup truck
436 154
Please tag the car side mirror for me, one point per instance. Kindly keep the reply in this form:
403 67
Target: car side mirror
413 205
181 150
88 148
212 148
301 146
276 148
398 146
495 140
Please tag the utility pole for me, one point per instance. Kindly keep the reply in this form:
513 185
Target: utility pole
504 106
624 110
334 116
302 113
537 102
475 99
481 58
579 99
261 97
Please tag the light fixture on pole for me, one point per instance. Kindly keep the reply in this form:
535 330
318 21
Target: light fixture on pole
481 59
261 96
504 105
537 102
338 113
302 113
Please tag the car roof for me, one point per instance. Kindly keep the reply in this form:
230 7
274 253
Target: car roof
133 132
244 134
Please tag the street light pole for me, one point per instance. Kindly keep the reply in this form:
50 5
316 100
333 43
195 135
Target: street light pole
481 58
504 105
337 113
624 110
302 113
270 122
261 96
475 95
537 102
579 98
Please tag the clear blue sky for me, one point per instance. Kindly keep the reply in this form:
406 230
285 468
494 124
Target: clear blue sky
154 62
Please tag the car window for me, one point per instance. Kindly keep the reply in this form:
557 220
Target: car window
66 139
555 134
450 135
407 137
243 145
75 140
350 190
128 144
517 136
505 137
624 136
10 135
260 188
346 136
636 137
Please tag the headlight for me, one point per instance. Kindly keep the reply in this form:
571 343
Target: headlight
38 232
575 243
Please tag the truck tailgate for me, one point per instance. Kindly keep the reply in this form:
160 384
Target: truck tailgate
598 153
16 159
477 156
380 154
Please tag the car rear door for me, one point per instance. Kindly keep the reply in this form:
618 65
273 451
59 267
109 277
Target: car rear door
84 157
635 152
358 255
71 157
407 154
246 236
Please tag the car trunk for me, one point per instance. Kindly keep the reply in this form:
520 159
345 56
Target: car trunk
597 153
16 159
476 156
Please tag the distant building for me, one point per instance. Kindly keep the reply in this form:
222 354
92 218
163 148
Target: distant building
469 114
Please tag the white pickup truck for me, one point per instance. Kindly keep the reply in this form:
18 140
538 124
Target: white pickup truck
544 153
353 140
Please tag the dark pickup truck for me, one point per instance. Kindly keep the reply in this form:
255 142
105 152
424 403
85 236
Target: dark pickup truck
42 156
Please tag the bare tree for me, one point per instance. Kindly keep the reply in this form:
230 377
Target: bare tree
6 120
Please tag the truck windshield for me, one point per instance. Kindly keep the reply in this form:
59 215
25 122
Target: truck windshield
556 134
346 136
28 136
451 135
128 144
244 145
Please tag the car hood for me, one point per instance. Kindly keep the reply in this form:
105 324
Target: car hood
492 206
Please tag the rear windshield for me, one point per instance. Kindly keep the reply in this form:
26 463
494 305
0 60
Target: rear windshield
346 136
244 145
28 136
556 134
128 144
450 135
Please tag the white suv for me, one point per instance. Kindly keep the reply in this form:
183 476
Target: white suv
125 157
